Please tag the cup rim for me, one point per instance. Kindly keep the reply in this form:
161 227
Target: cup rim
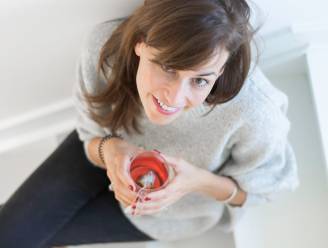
166 165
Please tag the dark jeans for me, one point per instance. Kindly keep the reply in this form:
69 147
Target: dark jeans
65 201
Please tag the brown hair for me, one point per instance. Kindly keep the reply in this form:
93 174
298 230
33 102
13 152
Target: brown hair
187 32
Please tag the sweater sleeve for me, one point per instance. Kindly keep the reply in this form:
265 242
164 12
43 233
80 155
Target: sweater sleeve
262 161
88 79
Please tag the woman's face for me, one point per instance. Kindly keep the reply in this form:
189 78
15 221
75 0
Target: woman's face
165 93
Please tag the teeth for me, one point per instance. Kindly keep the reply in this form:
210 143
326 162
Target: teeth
165 107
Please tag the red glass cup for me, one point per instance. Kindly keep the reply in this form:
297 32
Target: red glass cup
149 170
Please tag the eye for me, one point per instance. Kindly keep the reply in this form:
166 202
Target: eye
200 82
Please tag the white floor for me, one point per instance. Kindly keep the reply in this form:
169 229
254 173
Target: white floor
299 219
211 239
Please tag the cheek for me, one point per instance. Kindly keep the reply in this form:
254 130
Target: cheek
199 97
150 80
143 79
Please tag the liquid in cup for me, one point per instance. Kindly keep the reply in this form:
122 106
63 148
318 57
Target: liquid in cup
150 172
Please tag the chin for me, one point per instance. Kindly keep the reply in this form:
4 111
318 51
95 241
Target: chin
159 121
155 118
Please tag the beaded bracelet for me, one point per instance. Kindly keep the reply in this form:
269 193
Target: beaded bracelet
101 145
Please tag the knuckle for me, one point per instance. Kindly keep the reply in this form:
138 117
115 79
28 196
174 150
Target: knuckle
132 197
115 161
118 196
120 157
126 203
123 202
122 180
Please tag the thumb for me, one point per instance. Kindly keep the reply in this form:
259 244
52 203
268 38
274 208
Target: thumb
172 161
136 152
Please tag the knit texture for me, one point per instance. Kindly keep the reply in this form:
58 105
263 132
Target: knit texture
245 138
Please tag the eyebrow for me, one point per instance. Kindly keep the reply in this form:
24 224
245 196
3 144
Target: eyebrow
207 74
200 75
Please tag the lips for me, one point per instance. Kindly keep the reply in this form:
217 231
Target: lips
163 111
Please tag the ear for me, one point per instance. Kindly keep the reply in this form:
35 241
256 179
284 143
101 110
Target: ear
137 48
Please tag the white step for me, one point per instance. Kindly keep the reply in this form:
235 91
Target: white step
45 122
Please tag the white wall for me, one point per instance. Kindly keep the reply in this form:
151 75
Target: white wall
279 14
40 42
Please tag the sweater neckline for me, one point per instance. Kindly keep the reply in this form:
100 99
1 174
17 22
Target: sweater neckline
197 111
192 113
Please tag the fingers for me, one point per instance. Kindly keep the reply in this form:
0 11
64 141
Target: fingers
121 180
118 165
169 159
159 201
149 208
124 194
158 195
123 172
123 199
173 162
150 205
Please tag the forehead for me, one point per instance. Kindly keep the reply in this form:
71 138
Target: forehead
216 61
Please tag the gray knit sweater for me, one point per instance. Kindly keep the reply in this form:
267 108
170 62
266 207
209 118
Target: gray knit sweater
246 138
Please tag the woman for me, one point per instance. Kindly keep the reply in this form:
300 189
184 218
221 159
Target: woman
173 77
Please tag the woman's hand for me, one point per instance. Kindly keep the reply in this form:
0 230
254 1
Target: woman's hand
117 156
184 182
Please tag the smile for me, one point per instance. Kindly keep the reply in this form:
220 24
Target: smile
164 109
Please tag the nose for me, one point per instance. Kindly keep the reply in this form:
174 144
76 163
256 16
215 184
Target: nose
177 93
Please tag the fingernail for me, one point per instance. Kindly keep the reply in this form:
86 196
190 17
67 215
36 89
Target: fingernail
147 199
